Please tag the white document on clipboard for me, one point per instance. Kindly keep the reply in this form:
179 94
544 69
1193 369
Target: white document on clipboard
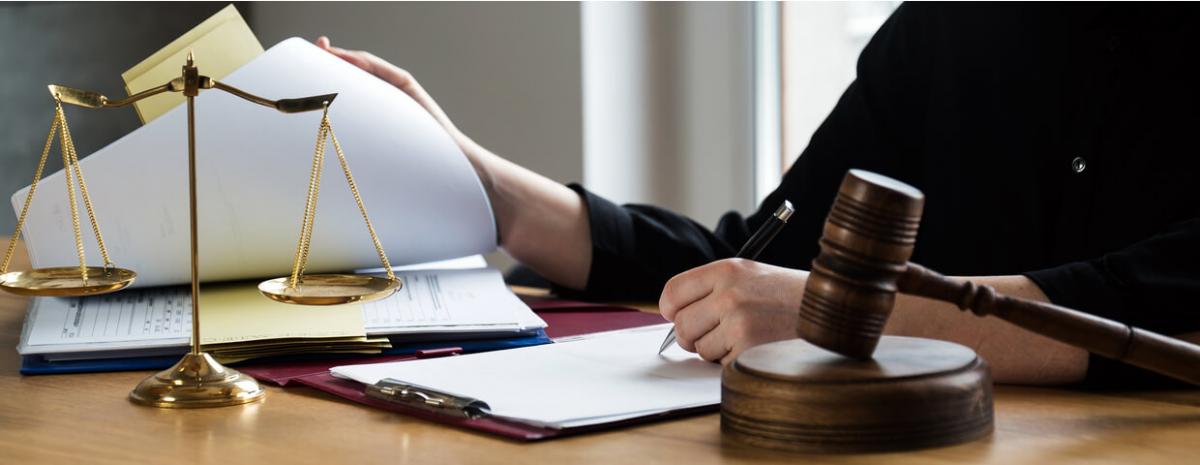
601 378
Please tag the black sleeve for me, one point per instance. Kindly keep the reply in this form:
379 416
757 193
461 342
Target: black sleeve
637 248
1153 284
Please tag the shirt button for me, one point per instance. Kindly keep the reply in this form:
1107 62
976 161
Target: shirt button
1078 164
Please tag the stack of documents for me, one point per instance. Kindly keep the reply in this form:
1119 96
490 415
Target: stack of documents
237 323
595 379
426 203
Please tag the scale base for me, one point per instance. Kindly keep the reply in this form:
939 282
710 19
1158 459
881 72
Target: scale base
797 397
329 289
197 381
66 281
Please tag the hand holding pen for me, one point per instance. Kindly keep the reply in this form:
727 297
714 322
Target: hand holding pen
752 248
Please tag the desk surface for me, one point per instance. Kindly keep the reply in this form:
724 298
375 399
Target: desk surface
87 419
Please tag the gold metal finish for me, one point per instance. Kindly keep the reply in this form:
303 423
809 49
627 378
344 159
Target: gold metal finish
92 99
197 381
293 105
191 90
330 289
83 280
65 281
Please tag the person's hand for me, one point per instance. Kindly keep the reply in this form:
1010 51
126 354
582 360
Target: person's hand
540 222
725 307
404 81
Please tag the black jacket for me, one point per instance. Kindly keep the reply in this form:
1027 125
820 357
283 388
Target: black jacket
1056 141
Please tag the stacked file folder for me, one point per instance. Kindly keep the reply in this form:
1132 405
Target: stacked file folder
239 324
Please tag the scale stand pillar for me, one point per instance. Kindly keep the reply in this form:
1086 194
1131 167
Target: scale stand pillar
197 380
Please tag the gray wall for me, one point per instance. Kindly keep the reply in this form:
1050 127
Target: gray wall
79 45
508 74
669 105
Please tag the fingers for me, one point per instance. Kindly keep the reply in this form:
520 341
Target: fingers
727 306
695 321
364 60
715 346
399 78
355 58
393 74
686 288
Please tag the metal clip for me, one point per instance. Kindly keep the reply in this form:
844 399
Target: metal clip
421 397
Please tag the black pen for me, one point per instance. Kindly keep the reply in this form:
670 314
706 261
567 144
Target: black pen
753 247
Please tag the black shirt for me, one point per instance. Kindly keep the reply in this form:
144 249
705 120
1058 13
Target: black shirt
1056 141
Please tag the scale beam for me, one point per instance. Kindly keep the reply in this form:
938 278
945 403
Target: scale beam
197 380
92 99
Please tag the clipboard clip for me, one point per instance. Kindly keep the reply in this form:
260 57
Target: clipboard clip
423 398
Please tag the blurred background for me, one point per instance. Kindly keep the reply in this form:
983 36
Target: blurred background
696 107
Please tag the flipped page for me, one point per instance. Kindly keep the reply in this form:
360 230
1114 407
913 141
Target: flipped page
424 198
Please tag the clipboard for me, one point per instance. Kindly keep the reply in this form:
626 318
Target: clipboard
565 318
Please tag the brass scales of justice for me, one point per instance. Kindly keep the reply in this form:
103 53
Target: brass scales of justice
197 380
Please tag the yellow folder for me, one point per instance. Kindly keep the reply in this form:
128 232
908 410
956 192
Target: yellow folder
221 44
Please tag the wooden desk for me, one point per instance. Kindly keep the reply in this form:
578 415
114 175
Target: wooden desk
86 419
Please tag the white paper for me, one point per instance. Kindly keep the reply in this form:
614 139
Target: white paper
253 163
449 301
431 301
598 379
143 319
461 263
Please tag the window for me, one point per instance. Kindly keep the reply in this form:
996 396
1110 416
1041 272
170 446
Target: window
805 58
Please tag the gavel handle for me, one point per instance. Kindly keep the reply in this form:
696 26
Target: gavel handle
1155 352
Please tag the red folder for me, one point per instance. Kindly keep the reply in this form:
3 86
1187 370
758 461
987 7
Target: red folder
564 317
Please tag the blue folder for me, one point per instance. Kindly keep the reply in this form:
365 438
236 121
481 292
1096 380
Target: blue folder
38 365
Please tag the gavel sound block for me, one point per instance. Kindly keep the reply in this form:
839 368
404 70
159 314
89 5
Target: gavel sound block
843 387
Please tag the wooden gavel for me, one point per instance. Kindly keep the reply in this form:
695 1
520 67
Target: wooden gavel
866 243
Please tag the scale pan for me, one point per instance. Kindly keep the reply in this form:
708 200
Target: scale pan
329 289
65 281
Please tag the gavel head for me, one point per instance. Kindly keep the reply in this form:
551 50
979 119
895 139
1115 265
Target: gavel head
865 246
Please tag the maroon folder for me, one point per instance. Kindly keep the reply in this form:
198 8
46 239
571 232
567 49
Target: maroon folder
564 317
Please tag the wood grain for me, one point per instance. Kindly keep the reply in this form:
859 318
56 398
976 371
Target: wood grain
914 394
1161 354
867 239
73 419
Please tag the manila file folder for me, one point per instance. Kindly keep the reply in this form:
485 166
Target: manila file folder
225 43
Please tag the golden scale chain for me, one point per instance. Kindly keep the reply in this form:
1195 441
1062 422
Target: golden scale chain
310 206
70 167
